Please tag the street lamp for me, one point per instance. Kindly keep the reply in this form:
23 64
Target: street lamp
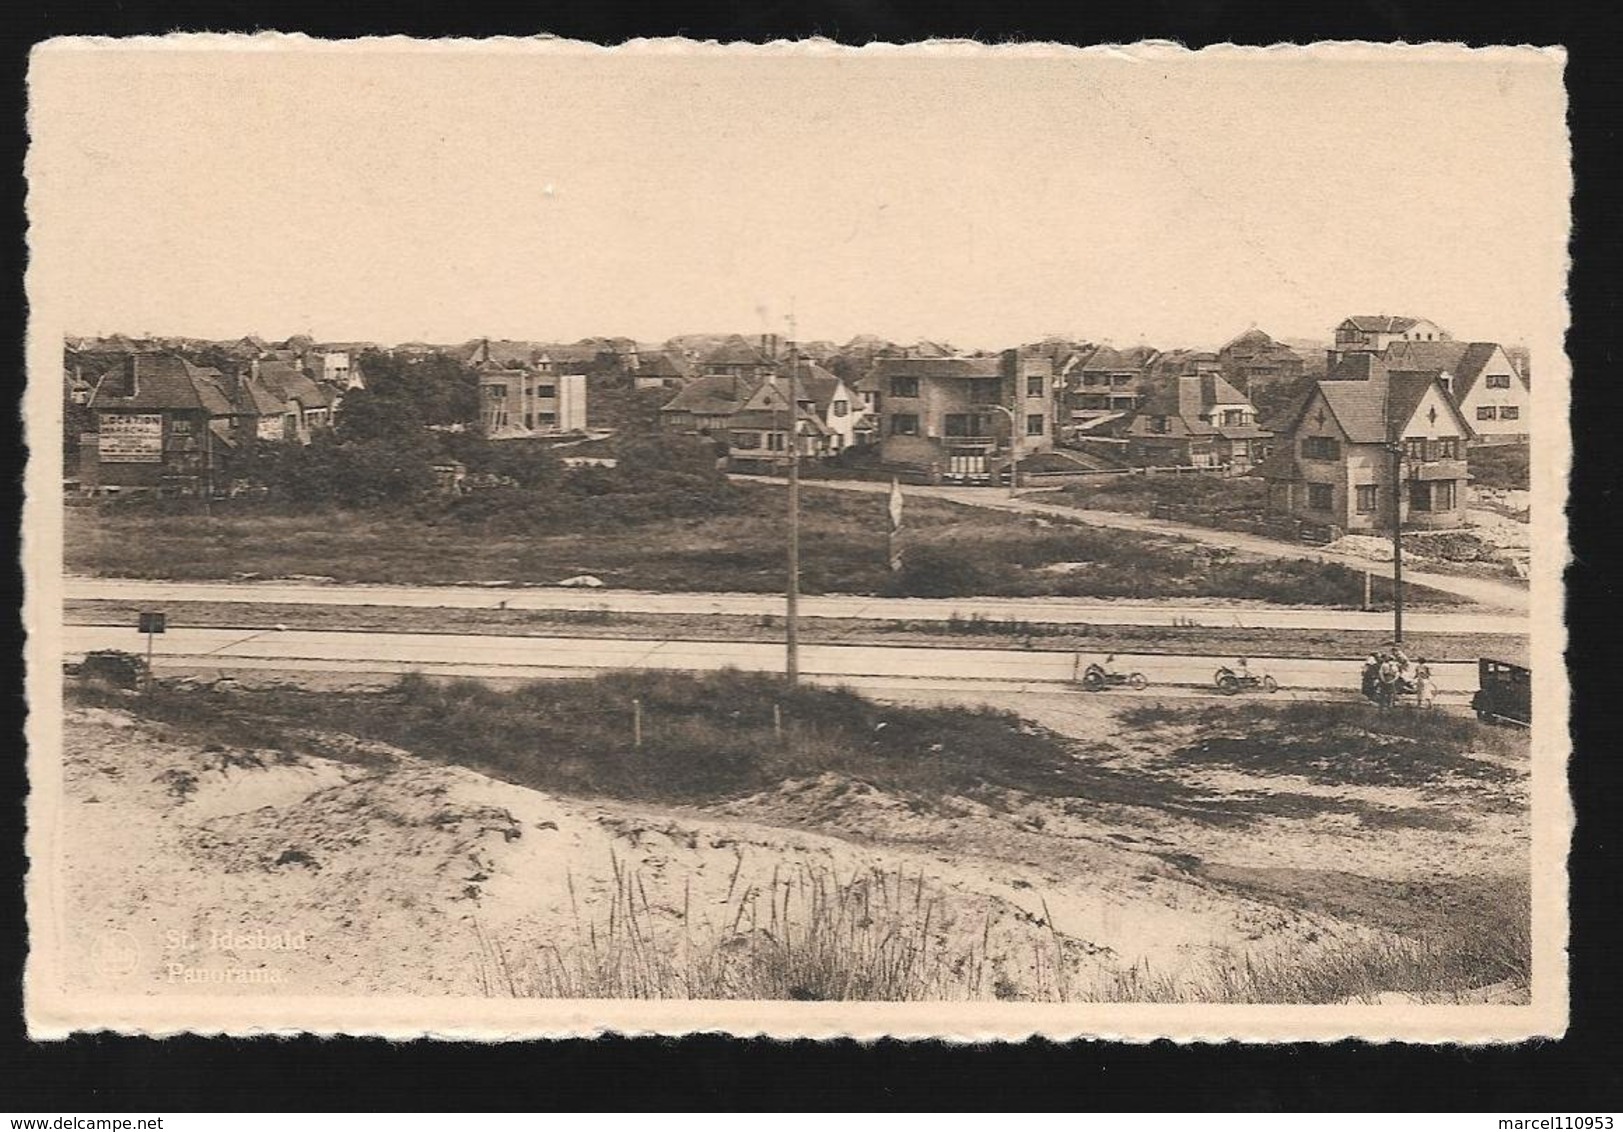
1014 448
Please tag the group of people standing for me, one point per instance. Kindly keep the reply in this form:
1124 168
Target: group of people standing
1391 673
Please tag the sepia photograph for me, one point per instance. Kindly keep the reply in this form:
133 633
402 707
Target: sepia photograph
942 541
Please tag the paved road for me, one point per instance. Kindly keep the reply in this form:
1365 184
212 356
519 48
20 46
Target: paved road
1067 611
538 656
1485 591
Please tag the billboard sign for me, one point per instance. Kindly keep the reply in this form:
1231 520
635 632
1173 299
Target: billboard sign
131 438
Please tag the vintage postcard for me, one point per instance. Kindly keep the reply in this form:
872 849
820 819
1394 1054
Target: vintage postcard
526 538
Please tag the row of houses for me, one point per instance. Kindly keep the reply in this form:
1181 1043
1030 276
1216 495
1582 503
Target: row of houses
647 367
956 416
1399 397
161 422
757 403
336 364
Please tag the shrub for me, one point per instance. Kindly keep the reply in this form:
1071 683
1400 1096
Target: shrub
527 463
705 736
1502 466
644 454
113 666
365 473
935 571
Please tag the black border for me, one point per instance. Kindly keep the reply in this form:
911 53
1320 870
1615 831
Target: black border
1583 1072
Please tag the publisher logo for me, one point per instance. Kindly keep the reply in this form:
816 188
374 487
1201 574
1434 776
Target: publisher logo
115 953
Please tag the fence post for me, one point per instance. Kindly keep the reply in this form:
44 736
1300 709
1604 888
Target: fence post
636 722
777 721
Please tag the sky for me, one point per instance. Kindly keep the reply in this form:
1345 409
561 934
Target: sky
395 193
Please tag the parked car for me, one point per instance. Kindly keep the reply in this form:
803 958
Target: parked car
1504 693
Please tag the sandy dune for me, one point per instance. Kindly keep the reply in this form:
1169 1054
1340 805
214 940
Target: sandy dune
197 869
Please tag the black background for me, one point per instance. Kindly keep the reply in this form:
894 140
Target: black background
1577 1074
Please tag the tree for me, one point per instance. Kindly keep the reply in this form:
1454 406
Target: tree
441 389
625 409
367 415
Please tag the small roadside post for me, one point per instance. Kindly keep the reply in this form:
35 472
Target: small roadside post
150 622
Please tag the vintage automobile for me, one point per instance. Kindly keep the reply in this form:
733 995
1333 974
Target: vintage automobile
1230 681
1504 693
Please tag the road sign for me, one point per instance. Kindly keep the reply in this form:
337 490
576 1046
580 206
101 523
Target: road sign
151 622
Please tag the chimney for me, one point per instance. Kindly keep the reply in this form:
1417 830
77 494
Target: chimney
253 369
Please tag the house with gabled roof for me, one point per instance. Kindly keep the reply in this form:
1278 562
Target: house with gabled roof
707 403
779 413
1253 360
660 369
1107 385
1373 333
834 403
1366 443
311 405
1487 386
1195 419
738 357
161 424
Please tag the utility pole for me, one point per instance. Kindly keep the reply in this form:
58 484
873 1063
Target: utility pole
792 590
1397 541
208 465
1393 430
